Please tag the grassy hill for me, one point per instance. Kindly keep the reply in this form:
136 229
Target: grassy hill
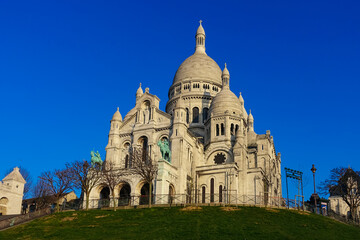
184 223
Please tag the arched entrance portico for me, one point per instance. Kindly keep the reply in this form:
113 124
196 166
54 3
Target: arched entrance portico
125 195
104 197
144 198
171 194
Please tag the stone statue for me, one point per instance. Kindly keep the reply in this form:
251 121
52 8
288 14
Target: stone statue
95 158
146 115
165 149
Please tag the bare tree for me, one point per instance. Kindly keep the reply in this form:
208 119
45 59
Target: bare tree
29 181
42 195
344 182
112 177
57 182
84 177
145 166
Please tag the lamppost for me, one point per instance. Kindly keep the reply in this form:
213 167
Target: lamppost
314 195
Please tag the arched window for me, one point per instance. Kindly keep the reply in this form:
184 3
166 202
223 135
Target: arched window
195 115
232 129
212 190
205 114
236 128
217 129
203 194
127 161
222 129
220 193
187 116
143 142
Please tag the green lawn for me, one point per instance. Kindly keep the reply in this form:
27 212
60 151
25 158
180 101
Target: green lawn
174 223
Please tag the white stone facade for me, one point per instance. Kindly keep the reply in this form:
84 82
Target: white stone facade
204 120
339 206
11 193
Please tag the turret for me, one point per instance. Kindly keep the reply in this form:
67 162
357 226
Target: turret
115 124
139 92
225 78
250 121
241 99
179 118
200 40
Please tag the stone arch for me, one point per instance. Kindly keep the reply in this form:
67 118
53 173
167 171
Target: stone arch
144 193
196 116
212 189
164 136
209 156
126 148
3 205
205 114
171 193
104 196
143 143
203 193
187 115
124 194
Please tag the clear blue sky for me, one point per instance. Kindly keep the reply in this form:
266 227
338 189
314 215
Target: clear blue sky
66 65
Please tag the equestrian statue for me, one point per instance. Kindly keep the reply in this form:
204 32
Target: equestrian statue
95 158
165 149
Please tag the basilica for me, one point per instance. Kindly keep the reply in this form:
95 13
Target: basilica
204 142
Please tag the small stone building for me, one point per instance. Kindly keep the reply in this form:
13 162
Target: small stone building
11 193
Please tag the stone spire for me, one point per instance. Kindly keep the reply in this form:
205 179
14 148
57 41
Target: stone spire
241 99
225 78
117 116
251 121
200 40
139 92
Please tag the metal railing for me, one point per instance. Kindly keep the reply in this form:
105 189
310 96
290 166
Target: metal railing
199 199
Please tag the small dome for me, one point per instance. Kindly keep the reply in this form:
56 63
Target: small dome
250 117
241 99
139 91
199 67
225 101
200 29
117 116
225 72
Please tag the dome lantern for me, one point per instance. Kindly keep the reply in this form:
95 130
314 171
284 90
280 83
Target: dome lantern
200 39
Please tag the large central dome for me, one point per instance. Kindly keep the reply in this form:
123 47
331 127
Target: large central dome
197 80
198 66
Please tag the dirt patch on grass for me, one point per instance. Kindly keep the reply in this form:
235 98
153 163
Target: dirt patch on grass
48 217
67 219
272 209
92 226
102 216
303 213
229 209
191 208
